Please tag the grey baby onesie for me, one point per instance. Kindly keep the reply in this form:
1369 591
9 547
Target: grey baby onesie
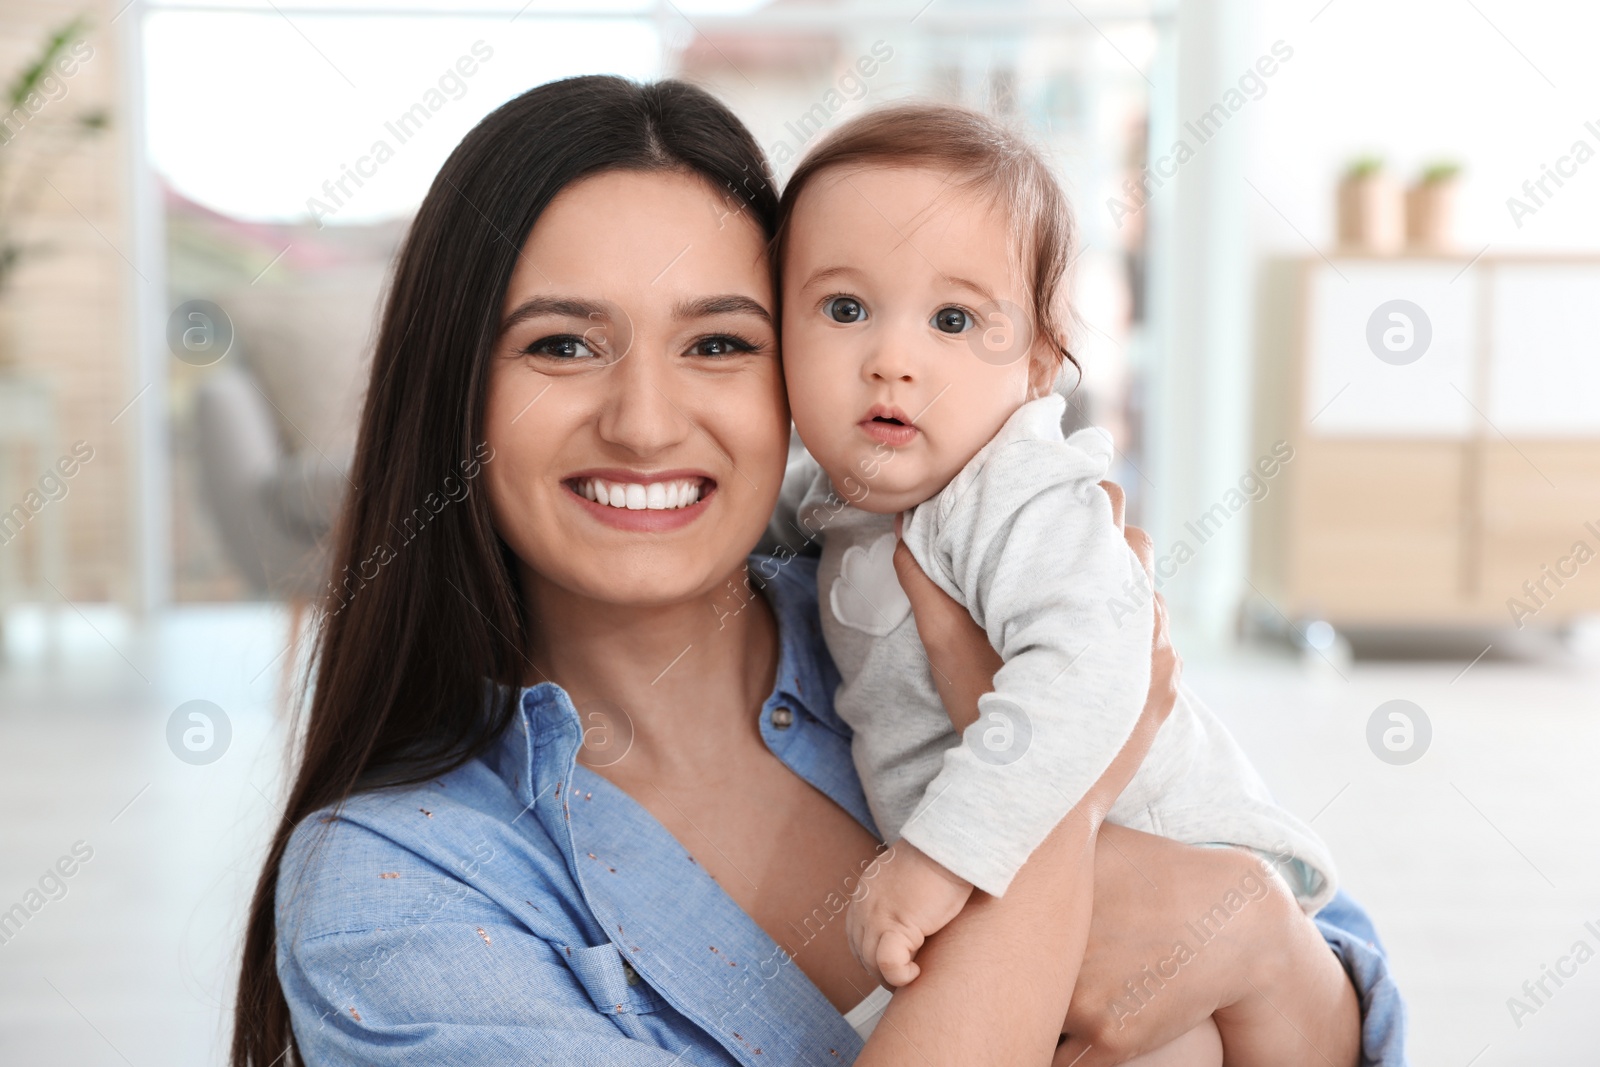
1023 538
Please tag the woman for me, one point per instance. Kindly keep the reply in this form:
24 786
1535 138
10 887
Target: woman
572 789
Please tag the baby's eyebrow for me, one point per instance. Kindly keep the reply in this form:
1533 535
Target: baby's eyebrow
963 283
828 273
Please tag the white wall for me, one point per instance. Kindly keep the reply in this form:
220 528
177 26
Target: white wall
1503 88
1422 79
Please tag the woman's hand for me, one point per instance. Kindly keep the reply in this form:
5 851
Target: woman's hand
1163 956
964 663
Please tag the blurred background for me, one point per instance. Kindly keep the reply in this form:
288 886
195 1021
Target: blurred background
1339 279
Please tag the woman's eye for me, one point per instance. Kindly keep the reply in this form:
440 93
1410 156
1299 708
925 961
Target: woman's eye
952 320
566 348
844 309
721 346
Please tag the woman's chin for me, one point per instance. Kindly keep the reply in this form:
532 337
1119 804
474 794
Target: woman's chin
651 573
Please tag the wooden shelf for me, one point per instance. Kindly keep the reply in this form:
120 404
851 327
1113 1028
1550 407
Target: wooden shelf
1427 493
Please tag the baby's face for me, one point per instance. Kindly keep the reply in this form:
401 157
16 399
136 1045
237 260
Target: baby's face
906 344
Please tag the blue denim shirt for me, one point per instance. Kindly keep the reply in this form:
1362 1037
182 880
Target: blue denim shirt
522 909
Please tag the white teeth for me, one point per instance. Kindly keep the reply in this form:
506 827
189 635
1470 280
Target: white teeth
639 496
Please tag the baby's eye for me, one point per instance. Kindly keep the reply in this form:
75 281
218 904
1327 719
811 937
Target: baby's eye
844 309
952 320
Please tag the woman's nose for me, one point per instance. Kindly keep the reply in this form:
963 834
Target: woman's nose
639 414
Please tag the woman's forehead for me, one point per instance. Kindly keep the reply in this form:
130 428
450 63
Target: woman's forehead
649 235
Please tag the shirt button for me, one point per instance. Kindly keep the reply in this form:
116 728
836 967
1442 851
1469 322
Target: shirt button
782 718
629 973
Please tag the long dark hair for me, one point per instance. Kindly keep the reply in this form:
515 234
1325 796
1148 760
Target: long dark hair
424 605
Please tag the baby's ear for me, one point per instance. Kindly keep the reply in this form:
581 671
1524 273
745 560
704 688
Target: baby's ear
1042 373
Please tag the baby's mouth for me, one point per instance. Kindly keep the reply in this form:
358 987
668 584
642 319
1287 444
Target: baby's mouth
889 425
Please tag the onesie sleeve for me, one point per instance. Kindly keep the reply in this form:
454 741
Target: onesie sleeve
1027 543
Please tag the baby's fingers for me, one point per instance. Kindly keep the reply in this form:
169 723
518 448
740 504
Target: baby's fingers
859 937
895 953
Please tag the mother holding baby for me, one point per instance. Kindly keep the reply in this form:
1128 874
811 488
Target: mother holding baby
572 788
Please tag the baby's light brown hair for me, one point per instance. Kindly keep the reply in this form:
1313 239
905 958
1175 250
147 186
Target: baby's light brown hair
984 155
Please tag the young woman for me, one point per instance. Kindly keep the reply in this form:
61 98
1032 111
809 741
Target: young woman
572 789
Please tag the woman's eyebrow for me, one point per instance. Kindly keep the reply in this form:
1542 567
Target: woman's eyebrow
570 307
725 304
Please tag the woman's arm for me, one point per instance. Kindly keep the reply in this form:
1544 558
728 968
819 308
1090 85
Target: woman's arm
995 983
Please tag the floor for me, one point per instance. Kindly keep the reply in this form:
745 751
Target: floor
1480 860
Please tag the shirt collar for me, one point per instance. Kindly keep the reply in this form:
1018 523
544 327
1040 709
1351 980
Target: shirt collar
648 896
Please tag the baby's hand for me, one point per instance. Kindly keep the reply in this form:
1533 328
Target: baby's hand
909 900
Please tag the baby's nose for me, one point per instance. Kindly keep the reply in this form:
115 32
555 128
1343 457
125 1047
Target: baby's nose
891 362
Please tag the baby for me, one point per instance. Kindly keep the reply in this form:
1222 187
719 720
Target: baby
923 252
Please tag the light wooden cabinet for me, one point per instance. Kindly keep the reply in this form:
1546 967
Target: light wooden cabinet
1426 489
1542 377
1349 391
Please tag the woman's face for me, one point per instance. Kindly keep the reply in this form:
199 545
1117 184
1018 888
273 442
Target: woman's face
635 404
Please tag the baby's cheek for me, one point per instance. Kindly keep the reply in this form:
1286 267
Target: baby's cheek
815 397
951 450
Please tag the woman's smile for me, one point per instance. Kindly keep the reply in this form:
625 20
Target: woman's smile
648 501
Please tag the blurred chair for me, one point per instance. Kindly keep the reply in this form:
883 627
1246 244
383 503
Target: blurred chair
273 507
276 427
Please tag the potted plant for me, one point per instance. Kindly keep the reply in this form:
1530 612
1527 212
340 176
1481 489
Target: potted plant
1431 208
1370 209
29 154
